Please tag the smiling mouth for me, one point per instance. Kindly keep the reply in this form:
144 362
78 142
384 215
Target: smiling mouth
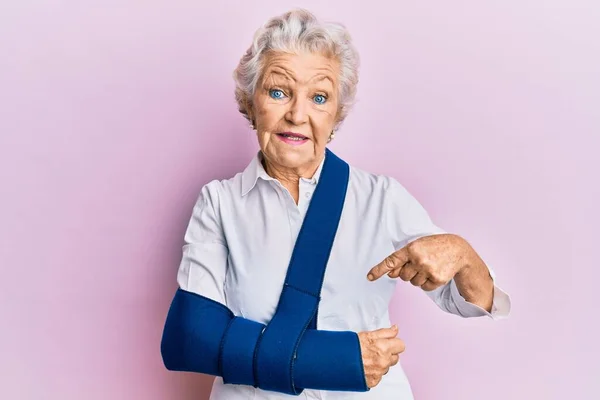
292 136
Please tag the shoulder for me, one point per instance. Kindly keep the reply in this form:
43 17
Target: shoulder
219 190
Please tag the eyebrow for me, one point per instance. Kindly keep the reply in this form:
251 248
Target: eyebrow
322 77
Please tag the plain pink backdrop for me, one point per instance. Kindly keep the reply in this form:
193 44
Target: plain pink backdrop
113 114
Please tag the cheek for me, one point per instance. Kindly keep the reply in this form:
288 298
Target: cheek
269 114
324 122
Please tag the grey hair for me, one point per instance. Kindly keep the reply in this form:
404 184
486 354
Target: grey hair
295 31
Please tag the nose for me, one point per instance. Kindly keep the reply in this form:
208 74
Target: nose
298 112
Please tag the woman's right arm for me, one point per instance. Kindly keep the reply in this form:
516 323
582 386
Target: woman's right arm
202 335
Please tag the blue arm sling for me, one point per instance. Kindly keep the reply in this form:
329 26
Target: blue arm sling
289 354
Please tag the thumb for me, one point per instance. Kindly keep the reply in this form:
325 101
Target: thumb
385 333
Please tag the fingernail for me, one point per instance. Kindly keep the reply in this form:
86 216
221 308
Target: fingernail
370 277
395 326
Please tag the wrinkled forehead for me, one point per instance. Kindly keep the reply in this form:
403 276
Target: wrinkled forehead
304 69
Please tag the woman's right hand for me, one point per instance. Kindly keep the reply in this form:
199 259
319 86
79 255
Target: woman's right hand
380 350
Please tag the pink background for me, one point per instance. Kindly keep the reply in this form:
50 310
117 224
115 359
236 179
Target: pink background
113 114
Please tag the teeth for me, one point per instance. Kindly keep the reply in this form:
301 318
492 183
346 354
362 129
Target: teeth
293 137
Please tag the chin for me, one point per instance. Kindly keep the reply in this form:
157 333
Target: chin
290 156
294 159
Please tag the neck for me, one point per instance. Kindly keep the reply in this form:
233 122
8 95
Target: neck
290 177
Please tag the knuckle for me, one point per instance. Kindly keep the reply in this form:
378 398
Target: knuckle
402 346
388 262
414 249
432 286
418 258
407 274
372 381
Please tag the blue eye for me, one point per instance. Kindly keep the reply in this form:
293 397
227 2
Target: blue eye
276 94
320 99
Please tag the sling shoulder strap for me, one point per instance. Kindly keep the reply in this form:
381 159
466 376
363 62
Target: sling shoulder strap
298 304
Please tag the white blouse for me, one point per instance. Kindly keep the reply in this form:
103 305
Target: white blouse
240 239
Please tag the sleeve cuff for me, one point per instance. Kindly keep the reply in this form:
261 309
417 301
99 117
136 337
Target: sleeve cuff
501 304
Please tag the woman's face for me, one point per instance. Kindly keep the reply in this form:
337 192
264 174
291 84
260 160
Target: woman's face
295 107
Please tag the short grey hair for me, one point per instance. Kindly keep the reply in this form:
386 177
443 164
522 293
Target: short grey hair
295 31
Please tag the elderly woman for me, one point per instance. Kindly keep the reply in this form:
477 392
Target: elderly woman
289 266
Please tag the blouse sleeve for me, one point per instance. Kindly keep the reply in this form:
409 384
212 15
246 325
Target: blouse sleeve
203 264
408 221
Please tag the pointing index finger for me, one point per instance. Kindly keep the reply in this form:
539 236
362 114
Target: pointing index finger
394 261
